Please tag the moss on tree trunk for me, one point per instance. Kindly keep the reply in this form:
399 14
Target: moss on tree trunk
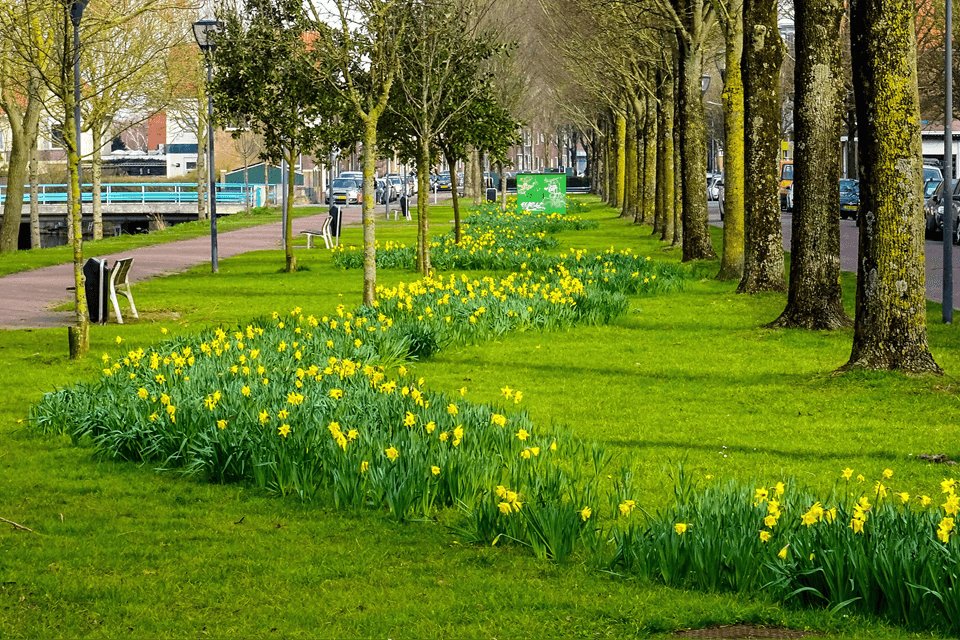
648 199
665 181
890 329
815 298
693 134
621 184
629 208
368 212
763 268
731 260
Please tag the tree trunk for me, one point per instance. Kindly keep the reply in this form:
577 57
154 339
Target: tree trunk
423 227
762 55
677 240
815 298
648 202
35 241
246 186
891 329
640 118
503 188
454 190
693 135
478 184
369 211
629 207
291 259
96 179
731 262
79 334
666 180
23 140
621 161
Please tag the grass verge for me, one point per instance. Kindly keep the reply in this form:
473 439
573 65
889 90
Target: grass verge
123 551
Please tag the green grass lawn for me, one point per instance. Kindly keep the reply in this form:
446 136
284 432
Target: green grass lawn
687 377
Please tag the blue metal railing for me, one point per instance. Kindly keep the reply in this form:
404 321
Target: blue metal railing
142 193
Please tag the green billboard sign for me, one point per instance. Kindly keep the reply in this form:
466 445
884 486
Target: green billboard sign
546 192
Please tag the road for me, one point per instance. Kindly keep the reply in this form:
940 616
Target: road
849 241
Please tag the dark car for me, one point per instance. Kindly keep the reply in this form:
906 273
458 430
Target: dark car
933 209
849 198
443 181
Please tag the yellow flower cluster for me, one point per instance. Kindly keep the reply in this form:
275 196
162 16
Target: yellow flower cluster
509 500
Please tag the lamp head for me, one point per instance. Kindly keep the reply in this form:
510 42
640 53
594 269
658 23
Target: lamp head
76 11
704 83
203 31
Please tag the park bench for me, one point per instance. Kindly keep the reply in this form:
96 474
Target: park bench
323 232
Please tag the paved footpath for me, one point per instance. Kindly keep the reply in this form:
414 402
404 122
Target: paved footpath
26 298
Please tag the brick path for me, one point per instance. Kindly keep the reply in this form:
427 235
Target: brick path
26 298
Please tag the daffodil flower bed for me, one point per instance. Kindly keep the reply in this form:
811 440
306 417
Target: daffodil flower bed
864 547
305 405
491 239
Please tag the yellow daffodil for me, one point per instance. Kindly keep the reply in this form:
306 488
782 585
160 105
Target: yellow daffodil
435 470
392 453
904 497
887 474
284 430
585 513
364 466
221 424
336 394
782 554
522 434
142 393
681 528
245 391
779 488
765 536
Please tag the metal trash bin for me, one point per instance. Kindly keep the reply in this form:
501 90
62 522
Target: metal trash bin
96 285
336 222
491 194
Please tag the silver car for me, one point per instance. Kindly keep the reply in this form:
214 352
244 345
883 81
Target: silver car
346 191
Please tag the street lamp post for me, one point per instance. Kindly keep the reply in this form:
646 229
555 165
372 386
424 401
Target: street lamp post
77 8
948 229
203 30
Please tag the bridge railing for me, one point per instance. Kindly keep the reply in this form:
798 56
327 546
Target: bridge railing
142 193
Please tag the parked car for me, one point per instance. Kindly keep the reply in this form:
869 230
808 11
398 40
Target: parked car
786 185
933 212
396 185
713 190
849 198
443 181
346 191
353 175
721 192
